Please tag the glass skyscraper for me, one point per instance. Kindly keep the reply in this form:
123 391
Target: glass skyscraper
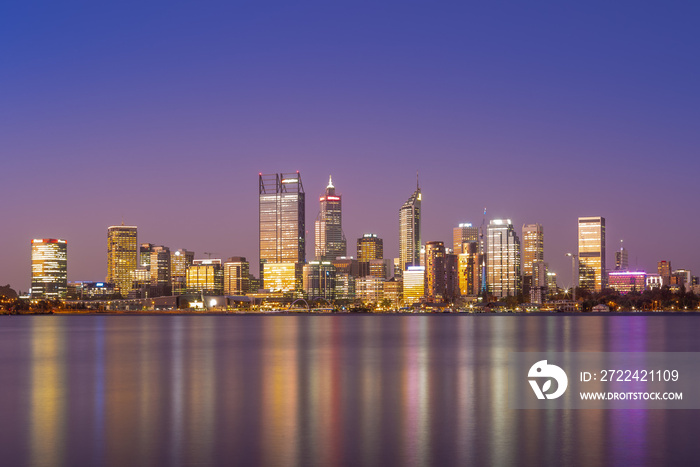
282 219
330 241
49 268
410 231
503 259
122 257
591 253
464 233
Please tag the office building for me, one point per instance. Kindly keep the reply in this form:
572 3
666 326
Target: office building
180 260
236 276
393 291
621 259
122 257
464 233
410 231
664 270
533 250
627 281
591 253
282 220
413 285
370 247
435 271
552 287
286 278
205 276
330 240
538 286
49 268
369 289
160 271
503 259
469 270
378 268
319 280
145 250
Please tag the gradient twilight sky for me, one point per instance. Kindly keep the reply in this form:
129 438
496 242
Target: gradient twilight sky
165 113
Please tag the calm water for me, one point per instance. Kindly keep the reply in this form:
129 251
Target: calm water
318 390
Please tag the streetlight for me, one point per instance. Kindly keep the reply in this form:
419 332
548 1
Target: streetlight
574 276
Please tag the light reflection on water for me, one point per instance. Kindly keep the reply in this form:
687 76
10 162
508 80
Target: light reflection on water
318 390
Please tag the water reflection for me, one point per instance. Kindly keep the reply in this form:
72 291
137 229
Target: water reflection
318 390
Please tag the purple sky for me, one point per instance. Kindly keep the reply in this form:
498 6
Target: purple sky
165 114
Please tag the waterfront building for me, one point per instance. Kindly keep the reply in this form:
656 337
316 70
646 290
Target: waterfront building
397 268
451 276
205 276
89 290
180 260
282 220
621 259
627 281
469 270
538 286
370 247
552 286
286 278
348 266
410 231
140 283
413 285
160 271
122 257
464 233
591 253
654 281
664 270
378 268
681 278
49 268
319 280
533 250
503 259
330 240
435 271
369 289
393 291
344 286
236 276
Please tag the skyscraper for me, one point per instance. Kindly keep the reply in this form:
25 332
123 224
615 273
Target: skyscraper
621 259
503 259
470 270
435 271
236 276
410 231
369 247
49 268
121 257
533 250
464 233
160 267
330 241
664 270
591 253
282 221
180 260
205 276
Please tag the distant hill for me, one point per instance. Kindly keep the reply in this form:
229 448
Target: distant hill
6 291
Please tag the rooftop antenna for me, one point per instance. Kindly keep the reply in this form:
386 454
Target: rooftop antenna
417 184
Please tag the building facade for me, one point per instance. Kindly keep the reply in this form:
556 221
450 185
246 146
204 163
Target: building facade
413 285
435 271
180 260
205 276
464 233
410 231
319 280
591 253
122 257
533 250
370 247
49 268
282 220
469 270
330 240
503 259
236 276
627 281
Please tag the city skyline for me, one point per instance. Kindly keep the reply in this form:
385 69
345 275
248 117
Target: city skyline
105 119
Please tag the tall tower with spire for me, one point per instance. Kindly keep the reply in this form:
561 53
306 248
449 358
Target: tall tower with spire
410 230
330 241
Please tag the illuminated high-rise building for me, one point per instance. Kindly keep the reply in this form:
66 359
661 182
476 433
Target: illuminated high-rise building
503 259
330 240
369 247
319 280
180 260
533 250
49 268
469 270
410 231
664 270
413 285
538 286
160 268
282 221
145 250
236 276
591 253
435 271
621 259
205 276
464 233
122 257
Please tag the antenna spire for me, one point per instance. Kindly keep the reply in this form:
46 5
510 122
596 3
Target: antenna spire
330 182
417 183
